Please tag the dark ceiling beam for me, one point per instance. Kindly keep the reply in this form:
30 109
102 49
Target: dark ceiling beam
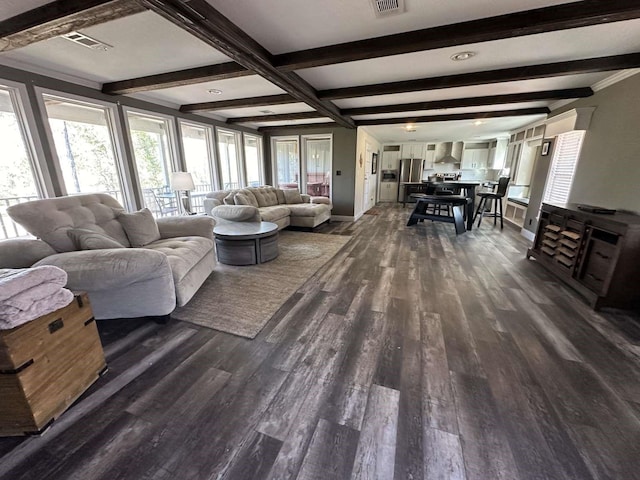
529 22
275 118
60 17
456 116
473 101
203 21
267 100
210 73
529 72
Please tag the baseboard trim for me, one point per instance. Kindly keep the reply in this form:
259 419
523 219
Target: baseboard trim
528 235
342 218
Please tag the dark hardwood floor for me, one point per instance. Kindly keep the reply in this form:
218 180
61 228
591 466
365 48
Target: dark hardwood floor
413 354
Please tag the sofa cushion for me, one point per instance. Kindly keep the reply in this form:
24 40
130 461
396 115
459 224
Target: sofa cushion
292 196
308 209
141 228
266 196
85 239
250 197
242 199
280 195
49 219
183 253
274 213
229 199
236 213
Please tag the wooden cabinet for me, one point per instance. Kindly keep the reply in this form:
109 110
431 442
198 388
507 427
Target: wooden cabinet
413 150
597 255
390 157
475 158
388 192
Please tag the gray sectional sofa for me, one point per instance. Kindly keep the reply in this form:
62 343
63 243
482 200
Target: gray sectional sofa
268 204
124 281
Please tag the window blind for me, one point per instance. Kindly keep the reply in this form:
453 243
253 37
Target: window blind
563 166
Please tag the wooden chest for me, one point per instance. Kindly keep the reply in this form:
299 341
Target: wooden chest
45 365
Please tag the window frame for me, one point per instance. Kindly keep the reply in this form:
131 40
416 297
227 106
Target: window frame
260 143
115 133
274 158
550 180
239 155
303 159
172 132
212 150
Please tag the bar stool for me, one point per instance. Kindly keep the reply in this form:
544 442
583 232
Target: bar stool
503 183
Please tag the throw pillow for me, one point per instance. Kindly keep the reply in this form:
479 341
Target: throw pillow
241 199
292 196
228 200
85 239
141 228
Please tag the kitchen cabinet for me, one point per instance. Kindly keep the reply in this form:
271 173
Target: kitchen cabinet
597 255
413 150
391 157
475 158
388 192
429 158
498 154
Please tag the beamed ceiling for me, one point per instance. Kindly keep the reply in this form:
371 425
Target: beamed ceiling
278 63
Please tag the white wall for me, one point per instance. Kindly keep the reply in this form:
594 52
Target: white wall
364 138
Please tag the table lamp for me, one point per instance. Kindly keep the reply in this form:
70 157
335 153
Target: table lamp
181 182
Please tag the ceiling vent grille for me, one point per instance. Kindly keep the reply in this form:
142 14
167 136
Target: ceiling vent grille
383 8
86 41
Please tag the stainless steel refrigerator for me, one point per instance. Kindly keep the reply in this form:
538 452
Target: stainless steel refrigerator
410 171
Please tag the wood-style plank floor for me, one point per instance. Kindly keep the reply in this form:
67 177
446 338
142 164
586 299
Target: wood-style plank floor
414 354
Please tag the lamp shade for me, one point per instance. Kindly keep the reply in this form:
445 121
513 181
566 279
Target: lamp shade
182 181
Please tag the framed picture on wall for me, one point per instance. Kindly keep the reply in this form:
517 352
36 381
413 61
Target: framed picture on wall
546 148
374 163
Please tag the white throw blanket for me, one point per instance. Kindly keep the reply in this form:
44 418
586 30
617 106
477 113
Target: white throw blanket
29 293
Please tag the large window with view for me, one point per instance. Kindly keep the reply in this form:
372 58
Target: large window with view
198 152
285 152
151 141
253 160
84 143
229 162
18 180
317 162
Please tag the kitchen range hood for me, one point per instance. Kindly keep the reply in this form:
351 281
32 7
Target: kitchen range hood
449 152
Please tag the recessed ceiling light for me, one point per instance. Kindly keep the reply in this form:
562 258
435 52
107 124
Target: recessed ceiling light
410 127
267 112
214 91
478 122
457 57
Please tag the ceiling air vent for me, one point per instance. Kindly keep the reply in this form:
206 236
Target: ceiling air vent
86 41
383 8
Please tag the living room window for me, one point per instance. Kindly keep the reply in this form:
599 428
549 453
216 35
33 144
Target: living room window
19 181
197 145
286 156
317 163
151 139
229 161
82 135
566 153
253 160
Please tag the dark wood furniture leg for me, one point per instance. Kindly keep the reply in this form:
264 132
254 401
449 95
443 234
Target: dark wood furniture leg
471 194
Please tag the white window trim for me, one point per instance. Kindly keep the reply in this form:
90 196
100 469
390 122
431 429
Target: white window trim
114 129
303 160
274 159
175 159
550 175
213 151
33 143
239 154
260 142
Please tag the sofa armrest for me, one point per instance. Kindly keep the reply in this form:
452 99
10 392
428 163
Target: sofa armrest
23 252
323 200
306 198
209 204
236 213
186 226
93 270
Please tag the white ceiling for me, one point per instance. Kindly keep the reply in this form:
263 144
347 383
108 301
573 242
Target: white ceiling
146 44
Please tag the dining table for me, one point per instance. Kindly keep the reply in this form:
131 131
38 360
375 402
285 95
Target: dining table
468 187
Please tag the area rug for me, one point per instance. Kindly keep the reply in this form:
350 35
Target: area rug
241 300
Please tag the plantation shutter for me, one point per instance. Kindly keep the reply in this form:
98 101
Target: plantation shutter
563 166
